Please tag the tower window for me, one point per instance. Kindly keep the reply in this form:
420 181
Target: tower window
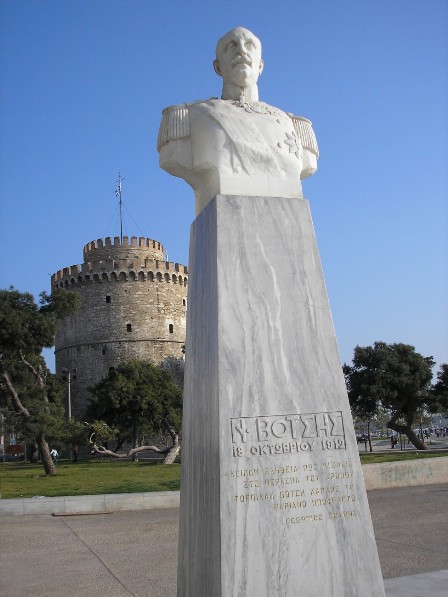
184 302
171 328
129 327
107 298
104 350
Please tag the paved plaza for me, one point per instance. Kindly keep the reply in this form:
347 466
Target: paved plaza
384 445
134 553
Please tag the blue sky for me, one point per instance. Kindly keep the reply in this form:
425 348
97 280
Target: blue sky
83 84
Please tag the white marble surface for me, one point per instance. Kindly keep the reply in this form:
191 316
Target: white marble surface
271 503
89 504
237 145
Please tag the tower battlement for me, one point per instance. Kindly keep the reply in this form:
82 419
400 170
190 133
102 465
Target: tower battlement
106 261
141 247
120 270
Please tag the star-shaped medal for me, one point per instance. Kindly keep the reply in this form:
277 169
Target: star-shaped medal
294 144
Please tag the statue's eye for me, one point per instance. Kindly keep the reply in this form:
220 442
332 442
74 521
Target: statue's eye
251 45
231 44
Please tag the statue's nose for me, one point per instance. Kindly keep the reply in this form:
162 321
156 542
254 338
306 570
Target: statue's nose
241 47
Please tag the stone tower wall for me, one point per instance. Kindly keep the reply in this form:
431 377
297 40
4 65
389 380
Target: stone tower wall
133 305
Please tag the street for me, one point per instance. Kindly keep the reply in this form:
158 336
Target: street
134 553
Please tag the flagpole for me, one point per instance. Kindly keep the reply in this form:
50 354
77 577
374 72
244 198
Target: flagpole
121 211
118 194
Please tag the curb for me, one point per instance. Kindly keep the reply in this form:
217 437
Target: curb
89 504
376 476
406 473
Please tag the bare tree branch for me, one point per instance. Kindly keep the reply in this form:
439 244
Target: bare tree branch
40 379
105 452
15 397
171 430
175 448
170 451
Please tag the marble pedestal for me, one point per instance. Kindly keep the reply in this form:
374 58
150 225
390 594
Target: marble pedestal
272 496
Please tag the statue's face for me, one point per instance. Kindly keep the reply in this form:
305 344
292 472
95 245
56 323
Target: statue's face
238 58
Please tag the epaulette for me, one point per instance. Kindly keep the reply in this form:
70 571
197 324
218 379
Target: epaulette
305 133
175 123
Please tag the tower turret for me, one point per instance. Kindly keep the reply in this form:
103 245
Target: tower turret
133 305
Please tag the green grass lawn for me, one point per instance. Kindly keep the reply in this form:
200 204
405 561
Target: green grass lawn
87 478
97 477
372 458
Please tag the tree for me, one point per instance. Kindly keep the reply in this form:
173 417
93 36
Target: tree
393 377
176 366
136 400
75 436
439 390
31 396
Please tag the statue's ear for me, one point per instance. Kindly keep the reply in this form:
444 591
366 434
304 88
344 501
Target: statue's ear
261 67
216 67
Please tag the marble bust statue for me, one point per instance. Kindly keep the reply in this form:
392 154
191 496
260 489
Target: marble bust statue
237 145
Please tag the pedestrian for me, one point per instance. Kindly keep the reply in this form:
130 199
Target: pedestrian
54 454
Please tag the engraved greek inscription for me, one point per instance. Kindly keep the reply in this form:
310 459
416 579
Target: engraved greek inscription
322 425
312 478
279 428
249 484
254 497
290 448
309 467
291 493
289 505
345 514
337 464
259 436
239 430
307 518
247 472
296 425
339 499
281 470
324 490
310 426
320 491
333 444
342 475
282 481
262 425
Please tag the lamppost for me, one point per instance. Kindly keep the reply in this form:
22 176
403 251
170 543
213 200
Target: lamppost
3 439
68 376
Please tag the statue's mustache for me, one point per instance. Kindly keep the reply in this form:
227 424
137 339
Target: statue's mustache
242 60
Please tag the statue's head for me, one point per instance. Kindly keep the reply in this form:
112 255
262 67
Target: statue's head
238 58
